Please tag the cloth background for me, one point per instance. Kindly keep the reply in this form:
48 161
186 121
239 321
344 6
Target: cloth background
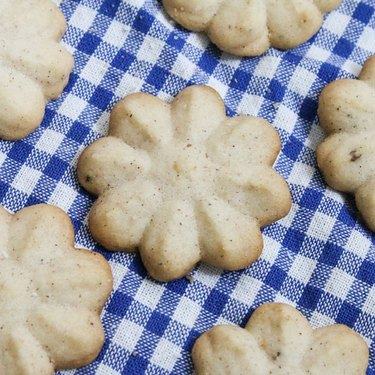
320 258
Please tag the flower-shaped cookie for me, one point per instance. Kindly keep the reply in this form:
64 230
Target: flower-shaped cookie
183 183
51 295
347 156
278 340
34 67
250 27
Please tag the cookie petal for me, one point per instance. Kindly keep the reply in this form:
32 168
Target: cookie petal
21 110
21 353
240 27
142 121
258 192
120 216
45 61
337 350
195 14
347 106
72 281
229 350
71 336
189 113
110 162
292 22
347 160
228 239
365 200
244 141
16 20
282 332
170 246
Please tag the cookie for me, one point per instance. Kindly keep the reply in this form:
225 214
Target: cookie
278 340
51 294
249 28
182 183
34 67
347 156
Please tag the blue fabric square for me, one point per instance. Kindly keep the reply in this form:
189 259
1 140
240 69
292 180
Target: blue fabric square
343 48
109 7
215 302
101 98
20 151
89 43
366 272
157 323
331 254
363 13
55 168
143 22
123 60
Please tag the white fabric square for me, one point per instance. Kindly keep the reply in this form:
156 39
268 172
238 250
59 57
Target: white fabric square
267 66
72 106
318 320
369 305
302 268
358 244
207 275
150 49
50 141
83 17
366 40
26 179
183 67
187 312
127 335
336 22
339 283
94 71
166 354
149 293
285 119
118 272
301 81
321 226
129 84
318 53
63 196
301 174
270 249
116 34
246 289
106 370
250 105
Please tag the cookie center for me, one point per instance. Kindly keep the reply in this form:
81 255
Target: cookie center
184 171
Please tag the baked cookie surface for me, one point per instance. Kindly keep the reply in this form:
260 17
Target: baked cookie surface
183 183
34 67
250 27
347 156
278 340
51 294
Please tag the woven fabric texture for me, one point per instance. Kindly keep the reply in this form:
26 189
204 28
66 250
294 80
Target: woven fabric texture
320 258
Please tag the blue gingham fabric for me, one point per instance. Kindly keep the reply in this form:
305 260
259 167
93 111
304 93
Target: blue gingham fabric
320 258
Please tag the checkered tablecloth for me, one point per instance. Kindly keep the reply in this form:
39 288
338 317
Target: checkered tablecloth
320 258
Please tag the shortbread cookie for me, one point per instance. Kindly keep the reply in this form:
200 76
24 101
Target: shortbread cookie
347 157
250 27
278 340
34 67
183 183
51 294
